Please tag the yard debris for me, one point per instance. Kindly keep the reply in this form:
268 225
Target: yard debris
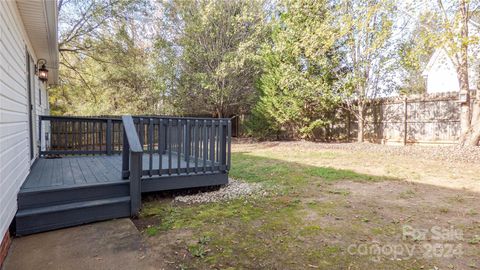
234 189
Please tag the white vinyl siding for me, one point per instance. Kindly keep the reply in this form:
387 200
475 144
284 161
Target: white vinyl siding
40 109
14 131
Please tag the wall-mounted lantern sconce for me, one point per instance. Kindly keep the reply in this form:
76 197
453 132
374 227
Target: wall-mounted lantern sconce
42 72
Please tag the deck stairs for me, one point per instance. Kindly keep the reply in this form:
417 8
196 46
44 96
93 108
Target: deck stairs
53 208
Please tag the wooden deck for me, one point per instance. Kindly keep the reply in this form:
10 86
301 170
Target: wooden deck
71 171
83 170
89 181
73 190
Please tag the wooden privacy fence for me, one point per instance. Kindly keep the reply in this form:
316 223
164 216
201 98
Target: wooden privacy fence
429 118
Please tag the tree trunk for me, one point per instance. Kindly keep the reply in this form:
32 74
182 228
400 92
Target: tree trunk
474 131
462 71
462 74
361 122
472 136
475 122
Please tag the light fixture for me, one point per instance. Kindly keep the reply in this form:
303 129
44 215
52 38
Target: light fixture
42 72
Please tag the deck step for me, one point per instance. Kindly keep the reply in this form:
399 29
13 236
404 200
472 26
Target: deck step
47 218
51 196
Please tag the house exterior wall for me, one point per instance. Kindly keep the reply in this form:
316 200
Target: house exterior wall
442 76
15 159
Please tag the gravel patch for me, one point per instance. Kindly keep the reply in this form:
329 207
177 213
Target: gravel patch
234 189
450 153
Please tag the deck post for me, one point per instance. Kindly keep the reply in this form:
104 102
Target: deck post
223 145
135 153
229 149
125 156
109 137
135 183
40 136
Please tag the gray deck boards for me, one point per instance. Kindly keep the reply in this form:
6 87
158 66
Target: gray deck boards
80 170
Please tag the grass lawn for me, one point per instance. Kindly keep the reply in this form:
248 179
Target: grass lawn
323 209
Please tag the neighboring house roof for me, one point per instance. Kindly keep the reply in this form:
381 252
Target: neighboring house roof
40 20
441 75
441 61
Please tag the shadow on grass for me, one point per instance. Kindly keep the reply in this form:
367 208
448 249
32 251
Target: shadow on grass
273 171
290 229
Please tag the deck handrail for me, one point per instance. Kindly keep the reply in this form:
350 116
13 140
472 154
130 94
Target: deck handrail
131 134
190 145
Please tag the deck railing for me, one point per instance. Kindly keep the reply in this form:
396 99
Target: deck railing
63 135
174 145
153 148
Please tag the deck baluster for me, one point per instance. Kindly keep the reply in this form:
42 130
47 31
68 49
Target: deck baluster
109 137
179 146
212 145
229 151
169 145
205 142
161 145
187 146
195 140
221 150
150 146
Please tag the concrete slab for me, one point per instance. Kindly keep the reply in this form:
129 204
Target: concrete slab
115 244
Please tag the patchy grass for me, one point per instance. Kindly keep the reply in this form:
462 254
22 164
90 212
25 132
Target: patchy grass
407 194
308 220
278 173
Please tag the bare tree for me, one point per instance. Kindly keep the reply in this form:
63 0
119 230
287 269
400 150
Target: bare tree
366 27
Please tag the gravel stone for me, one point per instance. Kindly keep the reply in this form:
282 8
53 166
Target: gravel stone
234 189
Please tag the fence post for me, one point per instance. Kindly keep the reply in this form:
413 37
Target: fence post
405 118
109 137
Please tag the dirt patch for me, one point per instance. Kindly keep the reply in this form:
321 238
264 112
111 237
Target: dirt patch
389 208
171 248
146 222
